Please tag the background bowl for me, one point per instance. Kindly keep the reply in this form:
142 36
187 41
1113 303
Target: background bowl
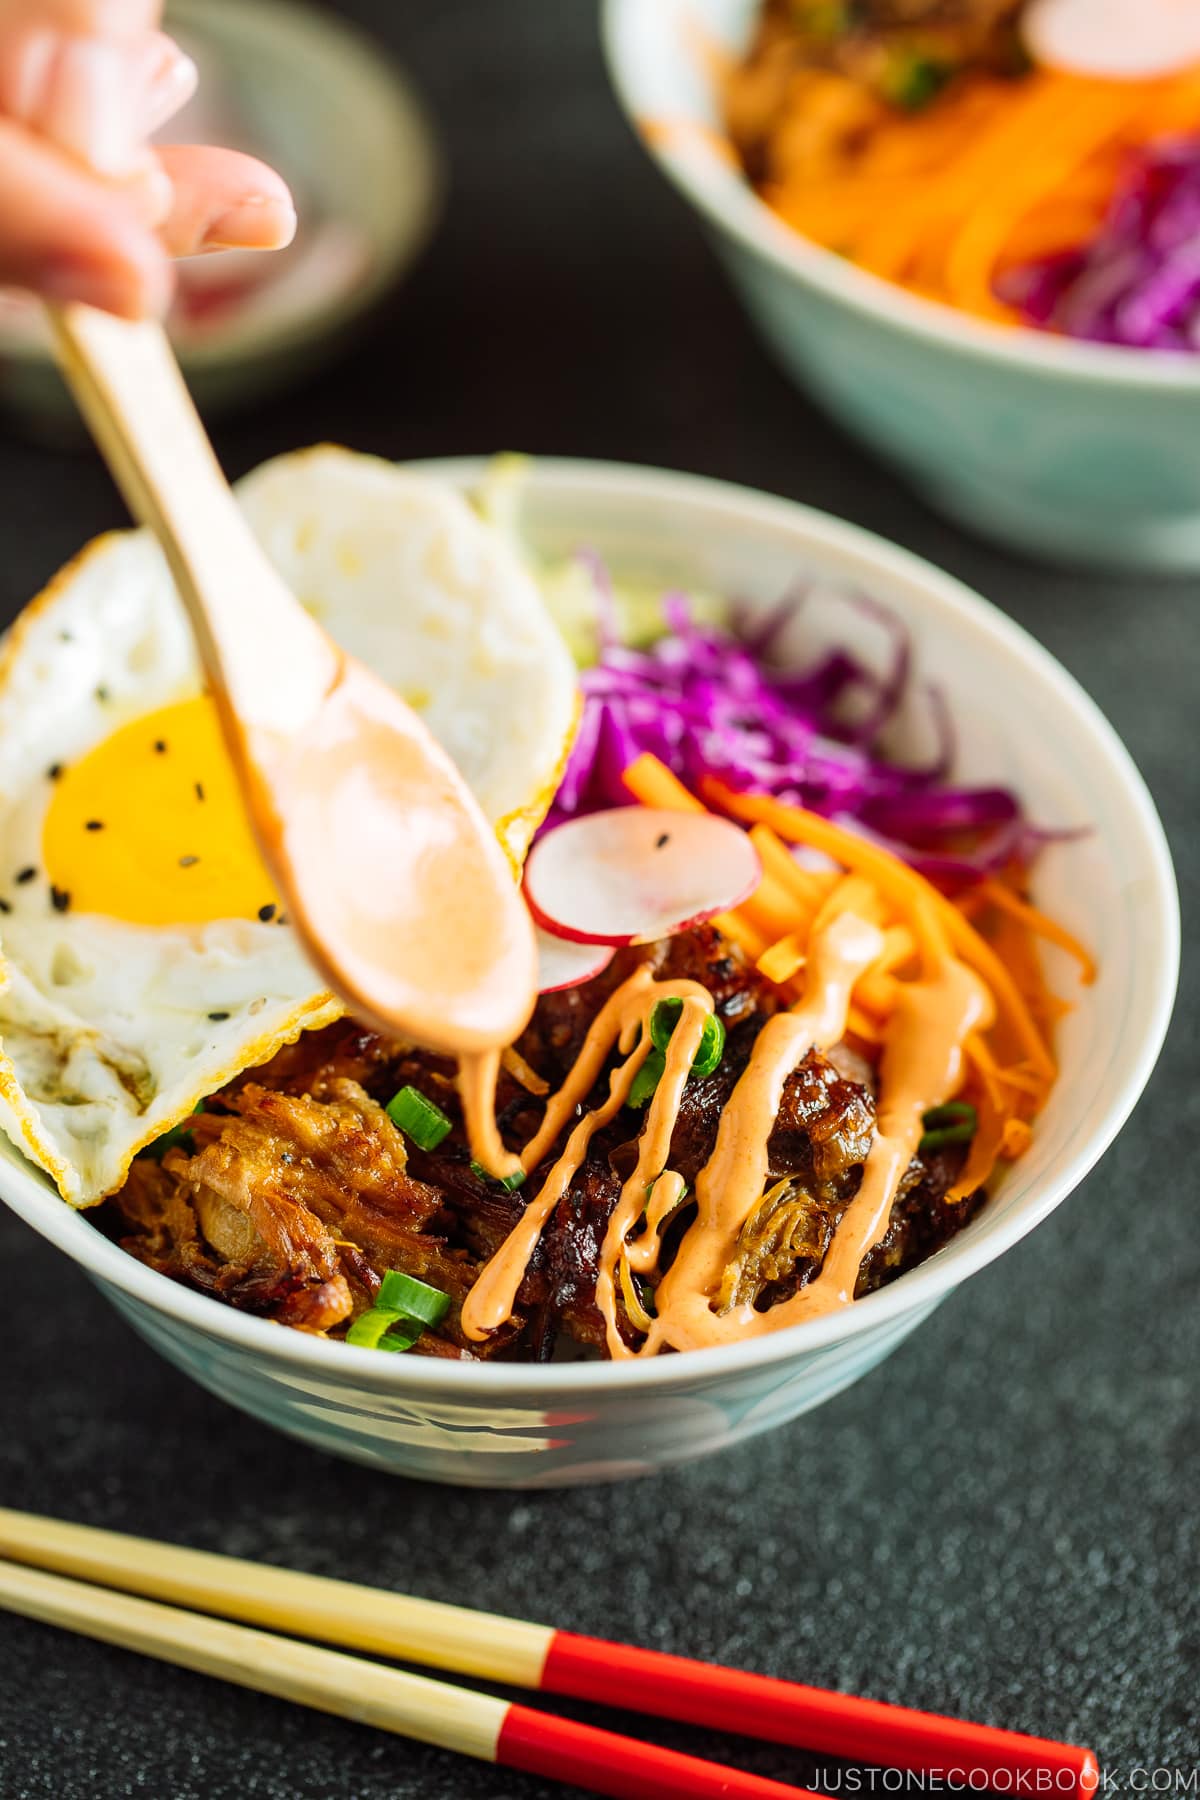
327 107
1081 452
521 1425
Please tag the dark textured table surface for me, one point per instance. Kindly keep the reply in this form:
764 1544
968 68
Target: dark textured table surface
1001 1521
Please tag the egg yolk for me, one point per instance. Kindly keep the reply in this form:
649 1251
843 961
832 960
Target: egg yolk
149 826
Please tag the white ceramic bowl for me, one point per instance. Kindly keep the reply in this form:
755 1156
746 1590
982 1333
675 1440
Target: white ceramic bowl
1075 451
1022 720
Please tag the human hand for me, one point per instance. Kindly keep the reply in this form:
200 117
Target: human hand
88 211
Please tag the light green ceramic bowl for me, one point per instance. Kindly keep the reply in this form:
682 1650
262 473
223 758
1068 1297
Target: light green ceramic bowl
1076 452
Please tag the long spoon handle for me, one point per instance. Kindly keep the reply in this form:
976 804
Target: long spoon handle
130 390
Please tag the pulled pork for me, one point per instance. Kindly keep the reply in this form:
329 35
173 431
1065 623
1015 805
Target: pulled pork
293 1192
820 74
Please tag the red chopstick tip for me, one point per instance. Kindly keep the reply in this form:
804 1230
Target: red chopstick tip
561 1750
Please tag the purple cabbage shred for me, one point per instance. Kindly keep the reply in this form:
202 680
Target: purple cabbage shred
1137 283
710 701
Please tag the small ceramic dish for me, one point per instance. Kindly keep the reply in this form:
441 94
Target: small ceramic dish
281 81
1075 451
512 1424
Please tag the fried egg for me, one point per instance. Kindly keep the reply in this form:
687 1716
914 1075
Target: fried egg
146 958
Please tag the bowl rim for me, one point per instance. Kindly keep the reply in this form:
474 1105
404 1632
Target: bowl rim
27 1191
697 171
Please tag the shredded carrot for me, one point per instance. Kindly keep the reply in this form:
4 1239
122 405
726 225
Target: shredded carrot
651 782
876 993
1015 1139
1009 1065
853 893
784 959
522 1072
983 1153
898 949
984 1065
908 891
994 172
970 902
983 959
770 909
746 936
999 894
863 1027
806 886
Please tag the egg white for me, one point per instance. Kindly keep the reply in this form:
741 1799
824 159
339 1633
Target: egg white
106 1038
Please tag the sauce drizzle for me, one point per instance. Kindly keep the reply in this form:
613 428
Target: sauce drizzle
623 1021
921 1066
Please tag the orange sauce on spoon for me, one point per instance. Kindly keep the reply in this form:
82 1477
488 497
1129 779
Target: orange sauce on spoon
397 885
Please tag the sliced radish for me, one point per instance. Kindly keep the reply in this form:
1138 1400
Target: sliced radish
1123 39
635 874
564 963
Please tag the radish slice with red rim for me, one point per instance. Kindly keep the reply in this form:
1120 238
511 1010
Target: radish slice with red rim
634 874
1129 40
565 963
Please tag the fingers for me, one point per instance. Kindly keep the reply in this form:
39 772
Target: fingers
165 77
67 236
224 201
75 91
98 96
87 18
82 85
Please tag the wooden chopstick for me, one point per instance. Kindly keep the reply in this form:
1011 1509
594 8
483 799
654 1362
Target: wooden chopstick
414 1706
521 1654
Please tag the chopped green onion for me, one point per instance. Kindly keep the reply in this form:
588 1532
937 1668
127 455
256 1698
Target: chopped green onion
382 1329
425 1123
942 1140
825 20
712 1047
646 1080
411 1299
911 82
651 1185
663 1020
509 1182
178 1137
954 1123
954 1112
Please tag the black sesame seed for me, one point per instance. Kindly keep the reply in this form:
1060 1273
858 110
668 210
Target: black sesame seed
199 790
282 919
160 745
54 771
188 862
59 899
664 837
4 906
24 875
94 825
266 914
217 1017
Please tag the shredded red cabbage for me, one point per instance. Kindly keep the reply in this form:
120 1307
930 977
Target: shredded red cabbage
1138 282
709 701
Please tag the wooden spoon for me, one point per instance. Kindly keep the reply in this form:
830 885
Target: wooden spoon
389 871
